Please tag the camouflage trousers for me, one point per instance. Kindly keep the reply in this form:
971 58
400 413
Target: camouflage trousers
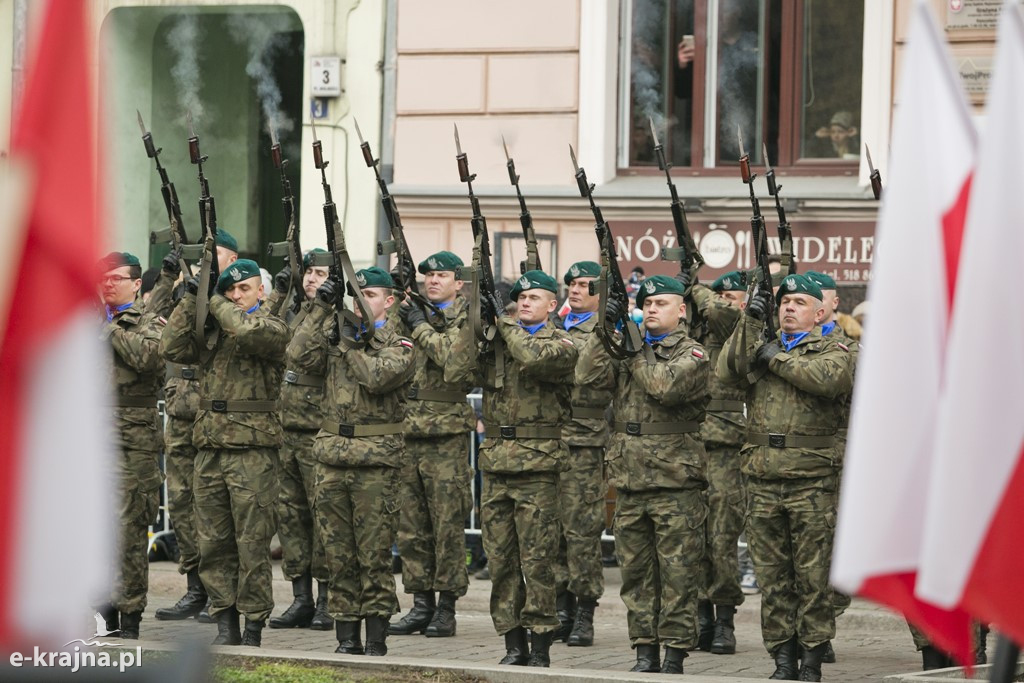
356 511
137 508
790 525
581 491
301 548
236 491
659 542
436 501
180 462
519 517
726 503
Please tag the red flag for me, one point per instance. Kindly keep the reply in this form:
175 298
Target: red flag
54 456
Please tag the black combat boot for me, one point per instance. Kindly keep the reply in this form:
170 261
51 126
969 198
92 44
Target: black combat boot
810 664
300 613
787 661
648 659
705 625
981 647
227 628
190 604
933 658
517 651
348 637
111 620
130 625
204 615
583 627
830 655
540 649
565 610
443 623
322 620
376 636
418 618
253 633
673 663
725 631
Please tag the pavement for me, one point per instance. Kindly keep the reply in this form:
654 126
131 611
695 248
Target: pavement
871 642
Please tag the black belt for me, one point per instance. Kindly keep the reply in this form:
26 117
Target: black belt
791 440
135 402
646 428
352 431
517 432
581 413
292 377
176 371
218 406
716 405
417 394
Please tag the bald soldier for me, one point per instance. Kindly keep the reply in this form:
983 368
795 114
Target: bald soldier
237 434
796 386
656 463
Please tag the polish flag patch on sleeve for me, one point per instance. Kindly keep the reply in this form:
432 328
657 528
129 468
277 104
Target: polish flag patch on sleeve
697 353
406 343
843 346
566 341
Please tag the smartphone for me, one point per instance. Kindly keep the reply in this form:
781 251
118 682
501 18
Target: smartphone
688 41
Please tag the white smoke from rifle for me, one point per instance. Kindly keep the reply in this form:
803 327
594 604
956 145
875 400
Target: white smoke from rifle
184 39
264 36
646 64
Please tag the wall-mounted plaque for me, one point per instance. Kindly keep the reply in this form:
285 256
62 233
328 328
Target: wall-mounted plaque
975 73
972 15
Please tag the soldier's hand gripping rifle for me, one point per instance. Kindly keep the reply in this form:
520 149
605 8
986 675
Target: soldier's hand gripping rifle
785 231
610 285
174 233
209 269
290 248
762 275
532 261
340 264
875 177
686 253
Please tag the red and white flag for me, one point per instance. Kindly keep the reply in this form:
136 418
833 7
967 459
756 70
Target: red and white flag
899 376
974 536
55 451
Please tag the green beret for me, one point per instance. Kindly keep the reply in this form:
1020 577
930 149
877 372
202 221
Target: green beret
658 284
224 239
821 279
798 284
733 281
533 279
242 269
116 259
374 277
582 269
306 259
442 260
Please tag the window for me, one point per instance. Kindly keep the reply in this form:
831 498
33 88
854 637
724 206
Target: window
786 74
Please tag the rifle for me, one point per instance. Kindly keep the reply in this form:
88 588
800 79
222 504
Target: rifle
339 263
174 233
762 275
290 247
209 269
610 284
876 177
397 244
686 253
785 231
532 261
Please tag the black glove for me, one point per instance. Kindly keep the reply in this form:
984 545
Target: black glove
192 285
767 351
282 280
759 306
685 278
401 274
493 300
613 310
412 316
171 265
327 292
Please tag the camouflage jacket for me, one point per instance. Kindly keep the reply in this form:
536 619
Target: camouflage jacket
722 427
364 387
596 395
672 388
535 393
181 395
435 418
854 346
801 393
245 364
302 397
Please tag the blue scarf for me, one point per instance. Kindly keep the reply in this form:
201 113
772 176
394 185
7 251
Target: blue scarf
654 339
827 328
532 329
791 340
443 305
574 319
113 311
377 324
253 309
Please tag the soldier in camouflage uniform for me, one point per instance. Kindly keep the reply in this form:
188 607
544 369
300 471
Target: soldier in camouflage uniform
301 400
655 461
796 389
521 457
581 486
358 452
135 368
720 307
436 498
237 434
